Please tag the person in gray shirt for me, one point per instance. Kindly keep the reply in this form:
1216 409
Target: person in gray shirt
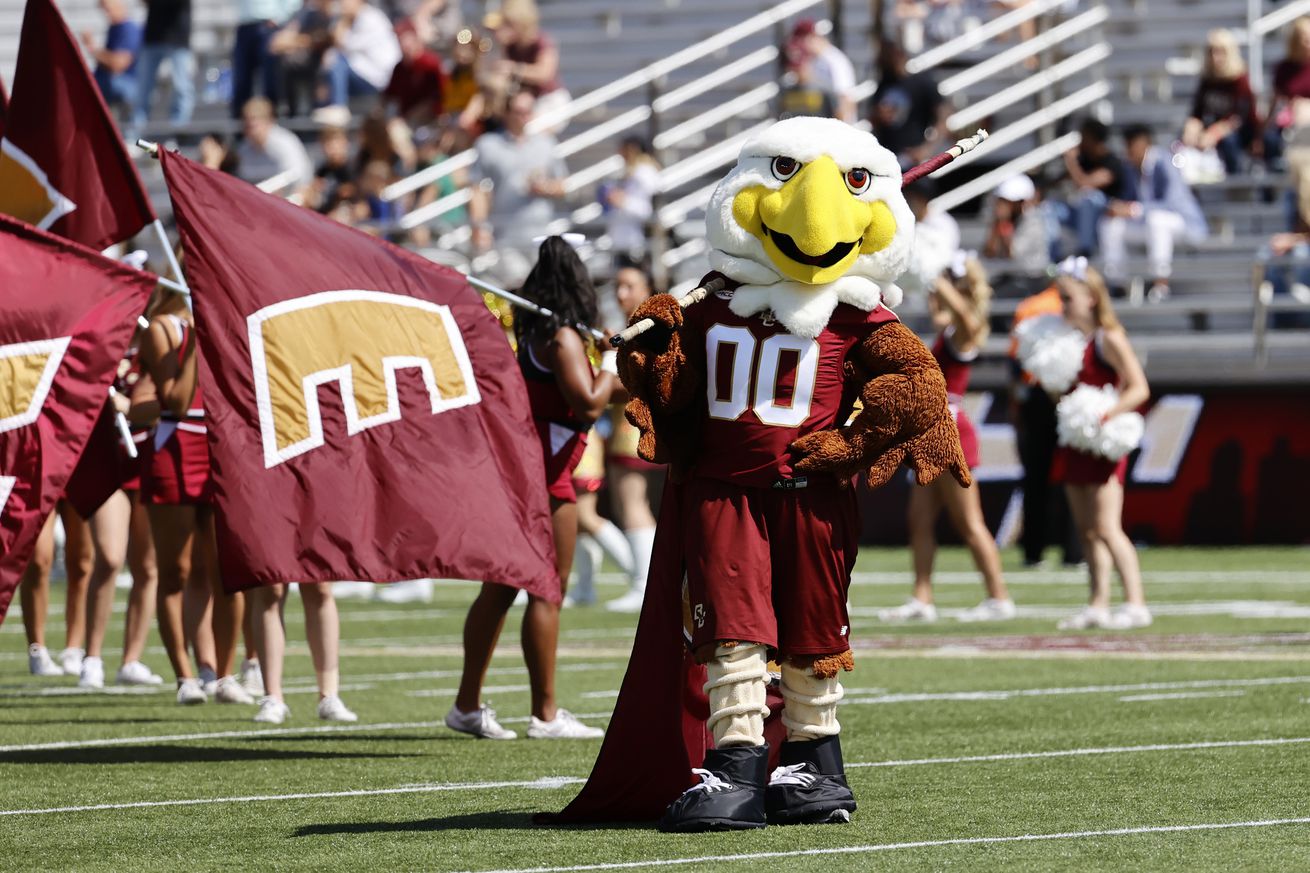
269 150
517 180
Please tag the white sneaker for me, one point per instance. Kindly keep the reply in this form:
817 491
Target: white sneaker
1129 616
252 677
190 692
565 726
272 711
333 709
1086 618
136 673
991 609
630 602
911 610
39 662
93 673
480 723
412 591
353 590
208 681
229 690
71 660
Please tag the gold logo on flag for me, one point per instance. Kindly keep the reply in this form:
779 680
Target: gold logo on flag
358 339
27 370
25 192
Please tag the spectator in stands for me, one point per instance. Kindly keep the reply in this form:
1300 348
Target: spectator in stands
627 203
258 22
418 82
531 58
116 60
909 114
167 37
936 239
365 52
376 215
1285 264
1022 230
518 180
1224 114
463 74
217 153
828 68
385 140
269 150
438 22
300 46
431 147
800 93
1097 174
1292 77
1155 208
334 178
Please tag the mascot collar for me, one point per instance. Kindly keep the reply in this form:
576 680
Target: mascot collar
806 309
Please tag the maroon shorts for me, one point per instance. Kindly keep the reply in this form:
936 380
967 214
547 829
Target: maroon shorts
968 438
1072 467
178 472
563 452
770 566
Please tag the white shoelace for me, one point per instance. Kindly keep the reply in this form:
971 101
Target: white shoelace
792 774
709 781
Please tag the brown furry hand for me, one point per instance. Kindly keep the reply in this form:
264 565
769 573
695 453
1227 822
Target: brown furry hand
827 451
654 366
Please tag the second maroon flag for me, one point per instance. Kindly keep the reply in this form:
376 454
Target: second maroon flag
367 419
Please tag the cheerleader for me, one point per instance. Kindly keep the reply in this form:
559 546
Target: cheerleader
958 303
34 594
178 494
632 480
566 397
323 632
105 489
1108 388
597 535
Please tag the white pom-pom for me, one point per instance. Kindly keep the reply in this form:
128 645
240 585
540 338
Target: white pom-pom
1079 426
1052 350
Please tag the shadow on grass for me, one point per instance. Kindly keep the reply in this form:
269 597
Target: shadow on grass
503 820
76 721
175 754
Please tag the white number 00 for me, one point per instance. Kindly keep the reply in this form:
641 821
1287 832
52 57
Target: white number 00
765 366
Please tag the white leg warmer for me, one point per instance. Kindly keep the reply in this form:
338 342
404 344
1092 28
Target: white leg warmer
642 541
611 539
738 676
586 561
811 709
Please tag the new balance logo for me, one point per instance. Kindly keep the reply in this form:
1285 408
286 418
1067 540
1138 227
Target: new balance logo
358 339
27 370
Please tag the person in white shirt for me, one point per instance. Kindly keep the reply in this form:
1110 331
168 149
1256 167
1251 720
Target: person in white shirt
269 150
830 70
627 203
366 52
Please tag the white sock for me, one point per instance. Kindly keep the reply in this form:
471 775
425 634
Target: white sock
611 539
811 709
642 540
586 560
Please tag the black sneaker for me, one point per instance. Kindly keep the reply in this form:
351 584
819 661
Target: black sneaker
730 796
809 787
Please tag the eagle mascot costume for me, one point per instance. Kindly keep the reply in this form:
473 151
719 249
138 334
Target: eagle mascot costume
768 399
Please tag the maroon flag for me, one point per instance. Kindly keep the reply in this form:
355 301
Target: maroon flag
68 317
63 166
367 419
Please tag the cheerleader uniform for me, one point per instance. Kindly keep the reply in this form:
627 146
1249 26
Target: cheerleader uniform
956 367
105 465
175 466
623 444
563 436
1075 467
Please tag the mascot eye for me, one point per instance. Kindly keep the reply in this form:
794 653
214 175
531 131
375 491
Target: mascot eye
857 180
784 168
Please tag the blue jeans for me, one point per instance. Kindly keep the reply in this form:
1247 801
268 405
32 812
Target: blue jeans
344 83
250 56
181 67
119 88
1082 214
1281 277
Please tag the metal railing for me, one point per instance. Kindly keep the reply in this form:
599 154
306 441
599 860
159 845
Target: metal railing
1258 26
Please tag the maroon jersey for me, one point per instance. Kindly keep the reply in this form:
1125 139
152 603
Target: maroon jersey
544 397
768 387
1096 372
955 366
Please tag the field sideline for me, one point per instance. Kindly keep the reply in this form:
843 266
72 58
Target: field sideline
1009 746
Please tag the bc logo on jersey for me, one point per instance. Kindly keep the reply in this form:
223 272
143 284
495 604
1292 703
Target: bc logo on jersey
358 339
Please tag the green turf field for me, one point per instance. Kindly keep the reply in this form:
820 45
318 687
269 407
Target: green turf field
1185 746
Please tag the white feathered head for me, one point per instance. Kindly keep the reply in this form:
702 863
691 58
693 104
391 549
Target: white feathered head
812 201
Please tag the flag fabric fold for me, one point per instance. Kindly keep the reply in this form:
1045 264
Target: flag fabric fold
367 419
63 165
69 316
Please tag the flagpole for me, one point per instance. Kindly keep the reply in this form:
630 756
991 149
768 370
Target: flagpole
180 286
524 303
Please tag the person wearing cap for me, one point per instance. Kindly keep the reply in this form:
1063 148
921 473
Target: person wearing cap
828 67
1020 231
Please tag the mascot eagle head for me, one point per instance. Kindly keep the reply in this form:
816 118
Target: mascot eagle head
812 215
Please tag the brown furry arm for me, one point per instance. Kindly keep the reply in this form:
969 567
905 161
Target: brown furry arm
905 416
664 372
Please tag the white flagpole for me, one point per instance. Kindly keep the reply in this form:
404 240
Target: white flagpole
124 429
524 303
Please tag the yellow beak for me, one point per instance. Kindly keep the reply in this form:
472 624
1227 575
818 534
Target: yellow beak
813 228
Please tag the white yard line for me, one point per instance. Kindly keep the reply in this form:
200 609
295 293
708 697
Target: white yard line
1010 694
1063 577
920 844
1181 695
1249 609
546 782
1076 753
